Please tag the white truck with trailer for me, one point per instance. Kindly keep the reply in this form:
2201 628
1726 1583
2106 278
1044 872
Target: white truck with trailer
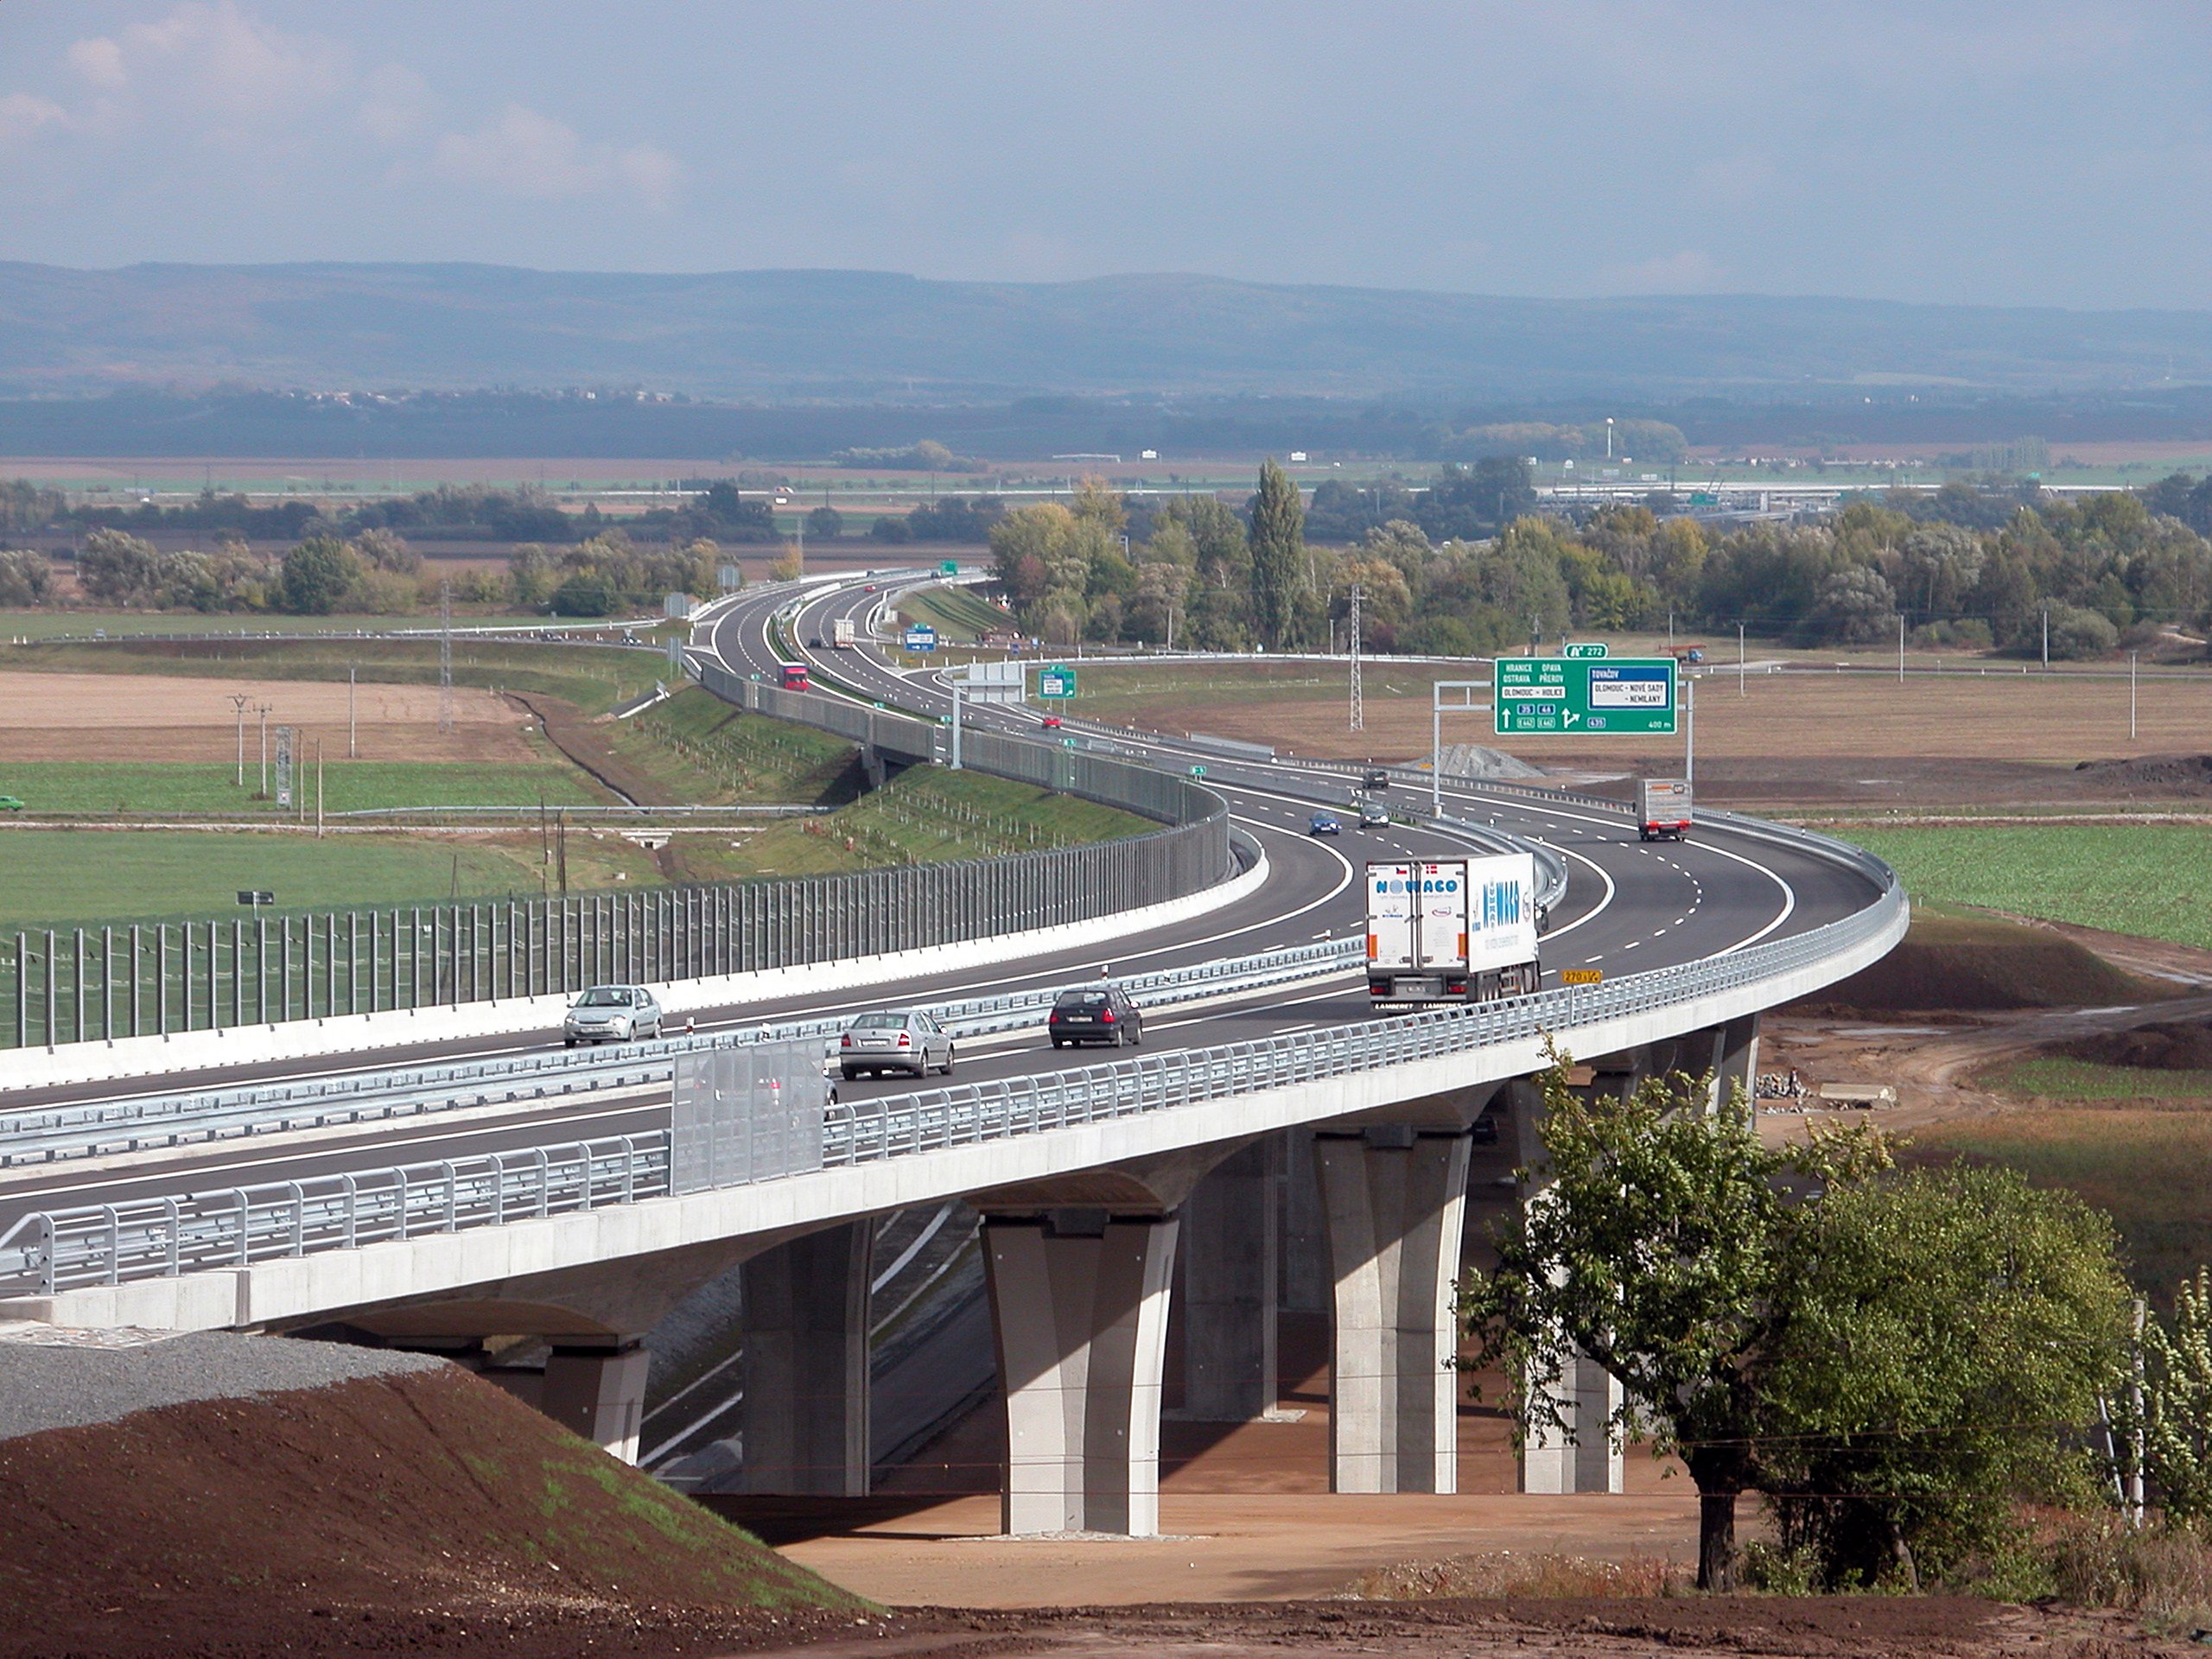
1452 930
842 632
1662 808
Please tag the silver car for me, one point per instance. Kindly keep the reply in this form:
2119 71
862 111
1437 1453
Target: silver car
892 1041
612 1013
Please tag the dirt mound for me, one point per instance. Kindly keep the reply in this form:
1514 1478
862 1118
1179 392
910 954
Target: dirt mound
1975 965
425 1509
2164 774
2163 1046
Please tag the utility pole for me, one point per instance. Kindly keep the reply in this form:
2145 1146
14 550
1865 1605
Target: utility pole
2046 636
1689 731
1900 647
956 723
239 700
1358 702
318 789
1739 659
2133 658
263 710
352 750
445 656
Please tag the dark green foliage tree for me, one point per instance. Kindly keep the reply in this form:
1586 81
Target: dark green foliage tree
1471 503
24 577
1278 544
1660 1241
1946 1340
824 525
317 576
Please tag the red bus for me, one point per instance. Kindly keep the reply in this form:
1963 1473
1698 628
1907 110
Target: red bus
792 676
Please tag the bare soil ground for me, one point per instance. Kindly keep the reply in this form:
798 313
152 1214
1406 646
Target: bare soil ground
1799 739
117 717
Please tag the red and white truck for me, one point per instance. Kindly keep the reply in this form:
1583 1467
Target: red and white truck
1452 930
844 634
1662 808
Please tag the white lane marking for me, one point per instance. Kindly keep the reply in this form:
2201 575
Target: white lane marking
1595 910
1631 945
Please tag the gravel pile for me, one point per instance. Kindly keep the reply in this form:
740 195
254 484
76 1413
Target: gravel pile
48 1385
1479 761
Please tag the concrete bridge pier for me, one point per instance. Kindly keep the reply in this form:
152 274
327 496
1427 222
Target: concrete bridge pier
805 1412
1735 1060
1394 1203
1230 1248
598 1391
1079 1301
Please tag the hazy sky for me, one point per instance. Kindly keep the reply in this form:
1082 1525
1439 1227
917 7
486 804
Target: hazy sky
2012 153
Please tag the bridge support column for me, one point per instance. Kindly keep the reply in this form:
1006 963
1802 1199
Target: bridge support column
1395 1201
600 1392
1588 1395
1229 1246
1736 1061
1305 1276
1079 1301
806 1363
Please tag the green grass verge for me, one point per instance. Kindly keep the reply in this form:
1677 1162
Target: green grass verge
594 677
699 748
2132 879
93 877
925 815
152 788
2148 1170
954 612
2060 1077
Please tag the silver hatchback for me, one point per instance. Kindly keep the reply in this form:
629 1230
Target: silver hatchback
612 1013
894 1040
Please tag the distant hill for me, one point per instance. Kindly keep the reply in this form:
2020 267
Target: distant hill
851 337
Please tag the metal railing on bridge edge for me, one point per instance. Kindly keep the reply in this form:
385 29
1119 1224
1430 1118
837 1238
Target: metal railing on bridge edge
108 1244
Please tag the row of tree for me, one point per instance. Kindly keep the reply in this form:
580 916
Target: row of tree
1472 568
1897 1361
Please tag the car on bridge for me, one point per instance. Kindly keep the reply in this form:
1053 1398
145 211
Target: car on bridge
1323 824
1372 815
612 1013
1094 1014
1051 722
891 1040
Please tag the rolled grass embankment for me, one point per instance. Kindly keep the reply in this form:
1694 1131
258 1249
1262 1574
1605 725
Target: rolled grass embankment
422 1510
1948 962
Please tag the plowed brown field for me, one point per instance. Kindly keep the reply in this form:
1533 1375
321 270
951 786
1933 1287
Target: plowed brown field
159 717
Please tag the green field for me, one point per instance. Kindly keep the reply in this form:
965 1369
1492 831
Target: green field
43 624
52 876
2059 1078
2148 1169
151 788
954 612
2139 878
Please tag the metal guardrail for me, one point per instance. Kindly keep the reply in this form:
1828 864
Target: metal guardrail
57 1134
107 1244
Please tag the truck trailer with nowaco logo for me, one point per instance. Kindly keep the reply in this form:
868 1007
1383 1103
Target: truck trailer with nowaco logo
1452 930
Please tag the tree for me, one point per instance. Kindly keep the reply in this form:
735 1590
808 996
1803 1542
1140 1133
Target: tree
382 550
2177 1401
1659 1246
1658 1241
1278 544
1224 554
116 568
317 574
1853 606
825 524
1471 503
1946 1335
24 576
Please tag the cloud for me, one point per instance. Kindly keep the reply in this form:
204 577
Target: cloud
21 115
536 158
205 69
395 105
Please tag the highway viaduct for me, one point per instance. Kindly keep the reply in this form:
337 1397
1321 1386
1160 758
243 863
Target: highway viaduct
1090 1178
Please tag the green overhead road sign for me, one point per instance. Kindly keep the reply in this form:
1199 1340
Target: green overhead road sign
1056 682
1613 696
948 568
1596 648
